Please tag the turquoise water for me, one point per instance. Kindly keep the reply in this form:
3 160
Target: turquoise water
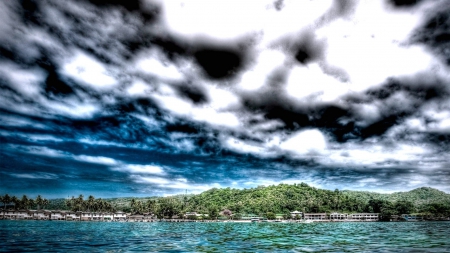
61 236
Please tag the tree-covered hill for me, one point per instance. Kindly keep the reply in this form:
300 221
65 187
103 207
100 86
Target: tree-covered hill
419 196
281 199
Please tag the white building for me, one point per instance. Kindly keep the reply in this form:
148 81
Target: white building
108 216
338 216
364 216
296 213
315 216
57 215
118 216
42 215
73 215
86 216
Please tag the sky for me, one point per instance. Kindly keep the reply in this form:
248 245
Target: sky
153 98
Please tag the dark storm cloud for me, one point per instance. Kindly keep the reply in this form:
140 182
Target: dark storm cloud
186 122
435 33
404 3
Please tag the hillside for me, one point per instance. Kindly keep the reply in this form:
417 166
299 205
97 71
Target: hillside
283 198
419 196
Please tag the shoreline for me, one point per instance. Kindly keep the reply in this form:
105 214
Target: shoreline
226 221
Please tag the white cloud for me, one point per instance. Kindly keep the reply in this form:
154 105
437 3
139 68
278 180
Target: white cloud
38 175
25 81
200 113
141 169
96 159
139 88
154 63
89 71
305 142
180 184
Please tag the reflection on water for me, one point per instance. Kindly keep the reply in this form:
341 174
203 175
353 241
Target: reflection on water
54 236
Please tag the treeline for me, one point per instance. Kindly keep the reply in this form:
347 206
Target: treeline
270 200
283 198
24 202
91 204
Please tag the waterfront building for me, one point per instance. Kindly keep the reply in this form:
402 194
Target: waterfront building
279 216
296 214
198 215
411 217
119 216
108 216
41 215
338 216
73 216
15 214
250 216
97 216
86 216
57 215
364 216
136 217
315 216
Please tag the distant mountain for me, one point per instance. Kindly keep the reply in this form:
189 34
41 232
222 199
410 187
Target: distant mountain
283 198
419 196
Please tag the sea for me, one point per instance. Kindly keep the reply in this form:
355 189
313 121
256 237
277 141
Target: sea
76 236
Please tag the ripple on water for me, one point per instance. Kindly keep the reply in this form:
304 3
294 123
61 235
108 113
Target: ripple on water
46 236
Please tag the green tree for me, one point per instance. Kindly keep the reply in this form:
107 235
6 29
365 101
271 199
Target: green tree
15 201
24 202
39 201
90 202
270 216
6 200
404 207
45 202
213 212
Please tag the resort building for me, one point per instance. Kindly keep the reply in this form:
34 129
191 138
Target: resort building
41 215
57 215
198 215
118 216
279 216
73 216
86 216
108 216
136 217
97 216
250 216
338 216
410 217
364 216
296 214
315 216
16 215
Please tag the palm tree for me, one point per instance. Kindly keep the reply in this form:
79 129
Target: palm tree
39 201
133 204
2 199
45 202
16 201
80 201
31 202
70 203
24 202
6 200
90 202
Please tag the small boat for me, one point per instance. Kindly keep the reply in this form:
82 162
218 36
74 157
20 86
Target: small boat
254 220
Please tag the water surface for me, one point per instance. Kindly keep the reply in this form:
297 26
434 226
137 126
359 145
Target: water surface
63 236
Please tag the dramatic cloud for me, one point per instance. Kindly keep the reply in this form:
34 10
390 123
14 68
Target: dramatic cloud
149 97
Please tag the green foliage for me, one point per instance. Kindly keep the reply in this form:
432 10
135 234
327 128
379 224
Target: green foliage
268 200
270 216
